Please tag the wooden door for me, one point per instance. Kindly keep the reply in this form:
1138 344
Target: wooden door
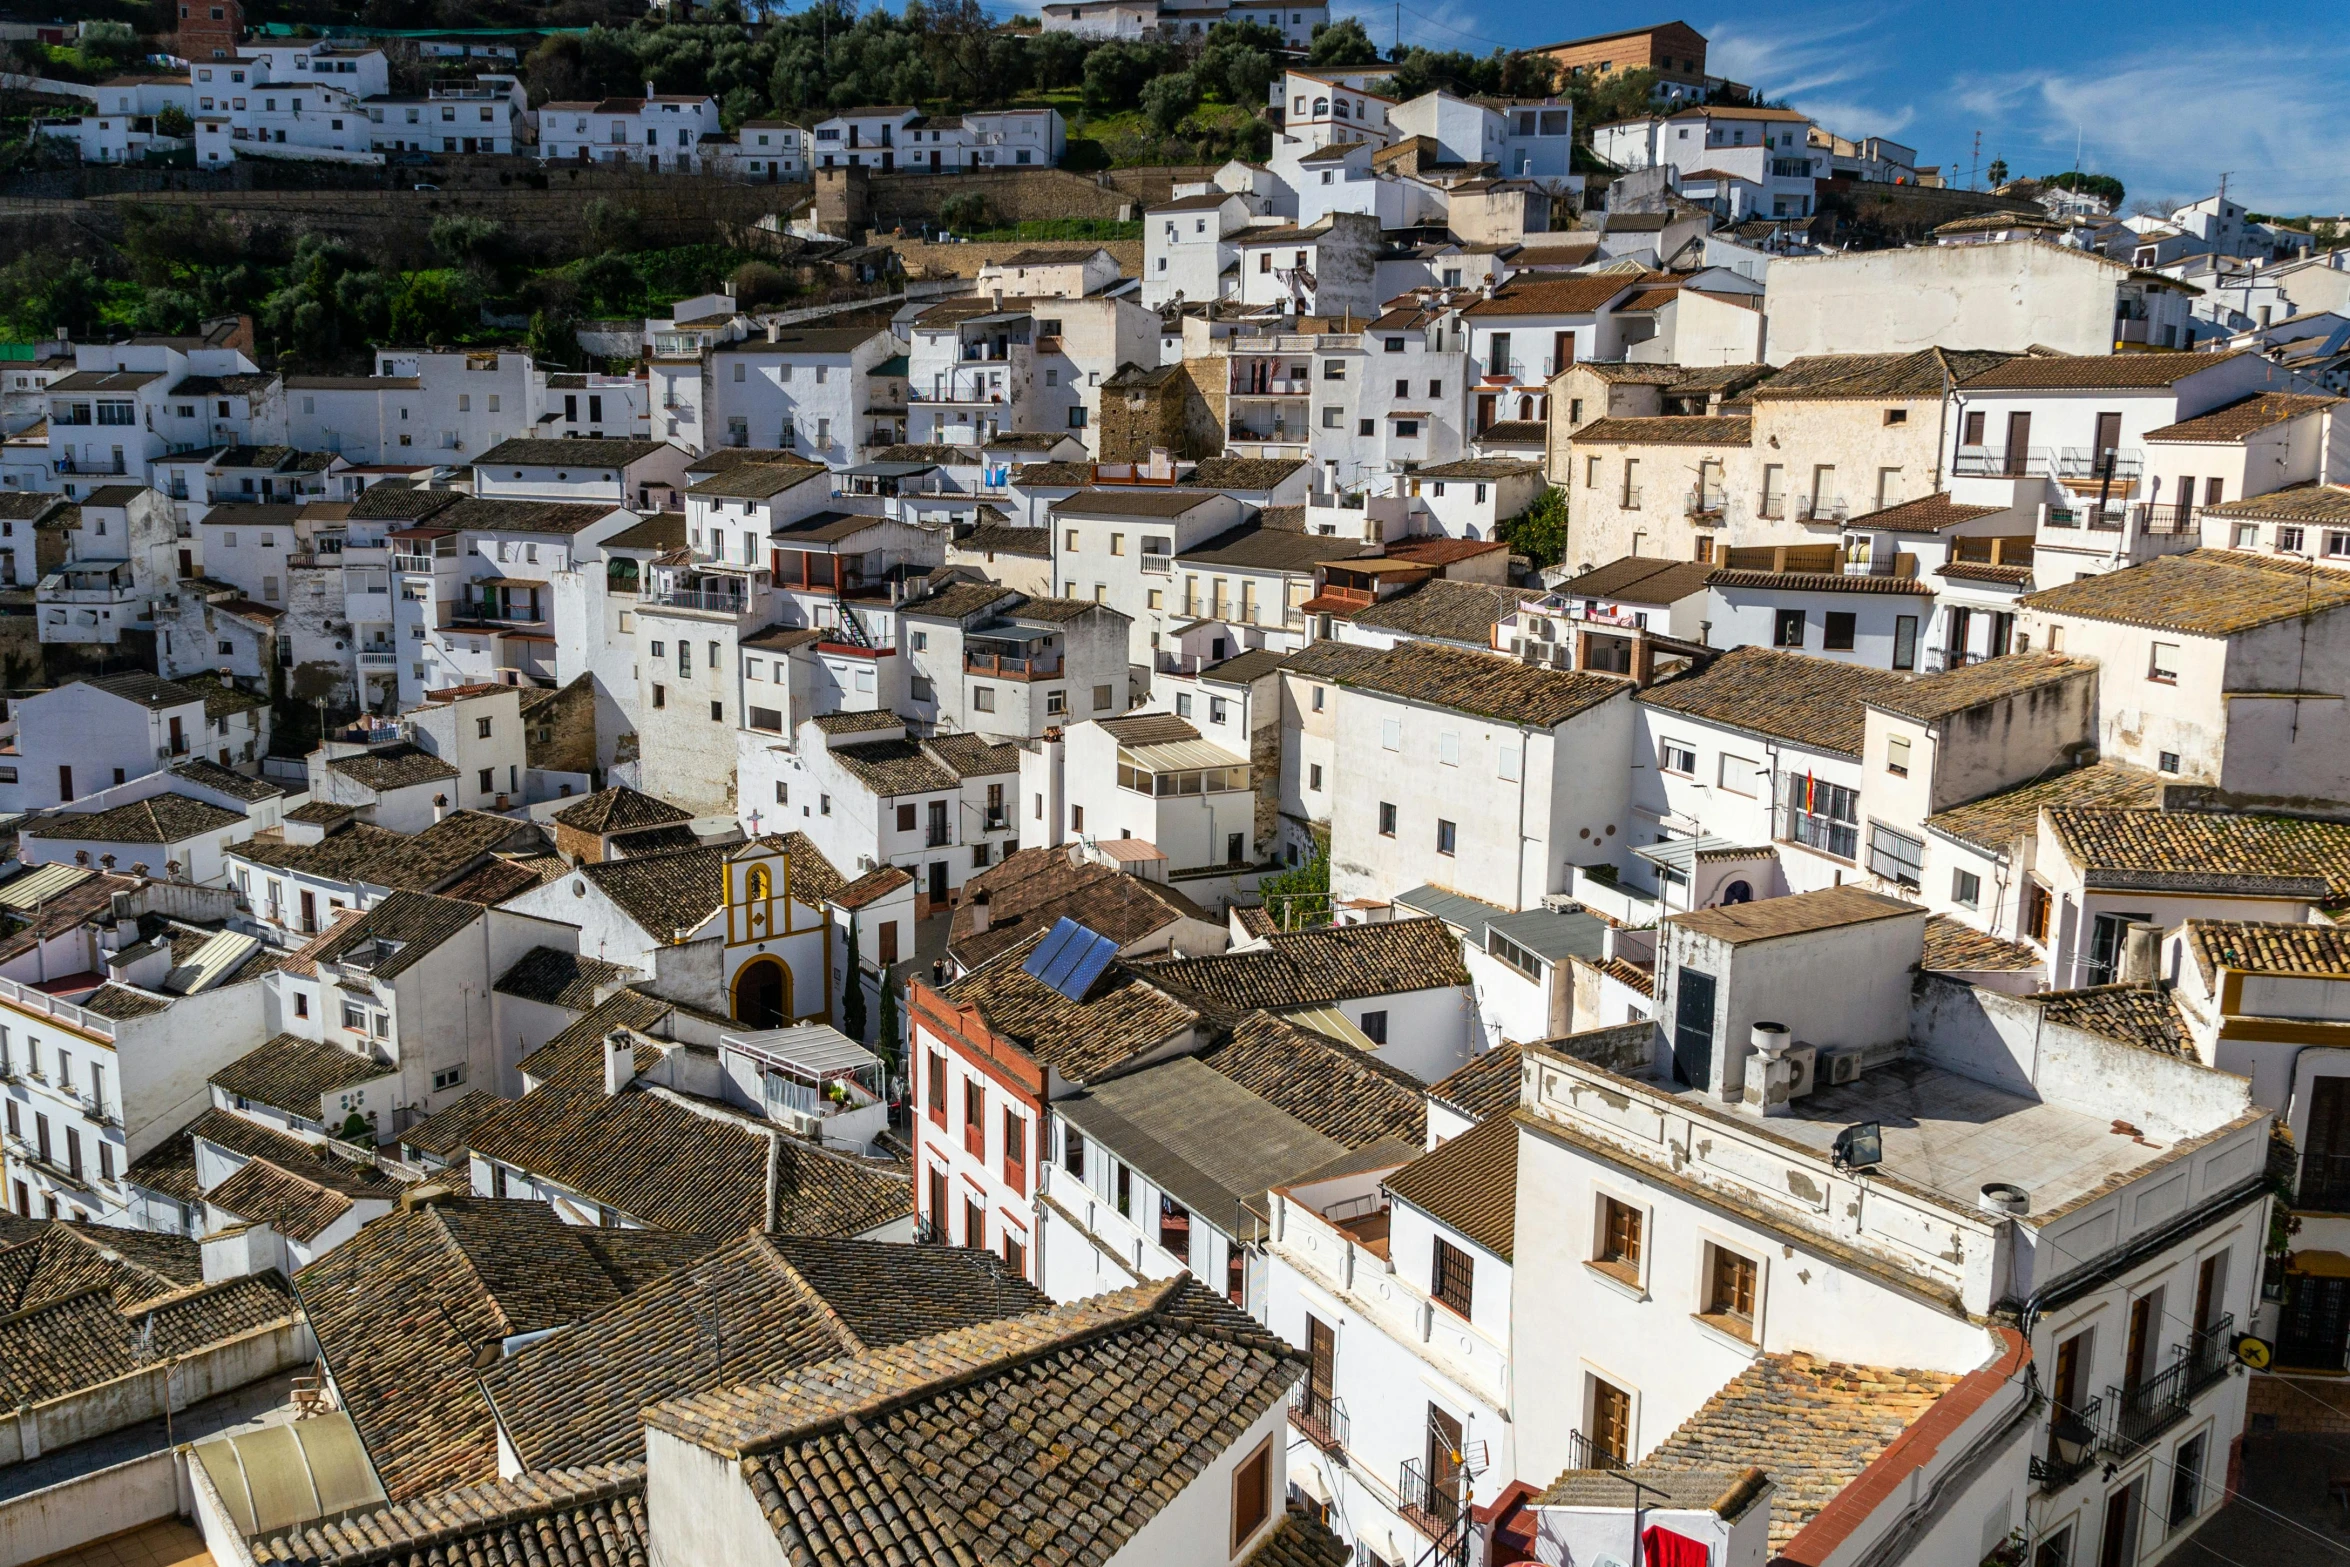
1322 1365
309 912
1562 353
64 783
2316 1322
1611 1420
2109 433
2019 441
1444 1453
2145 1323
2119 1547
2211 1283
2064 1388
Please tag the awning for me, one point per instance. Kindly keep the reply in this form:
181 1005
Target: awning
888 470
1681 854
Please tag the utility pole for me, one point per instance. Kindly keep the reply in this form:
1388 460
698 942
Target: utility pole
2223 186
1974 163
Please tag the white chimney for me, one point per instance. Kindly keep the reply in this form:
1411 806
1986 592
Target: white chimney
440 806
1770 1077
619 1060
979 913
774 331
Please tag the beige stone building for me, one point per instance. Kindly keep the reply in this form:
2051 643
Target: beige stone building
1652 487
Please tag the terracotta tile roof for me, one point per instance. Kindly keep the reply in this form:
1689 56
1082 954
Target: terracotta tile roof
1477 468
1135 502
1469 1183
667 1166
1123 1015
170 1167
415 862
397 933
1565 296
1811 1425
1962 949
556 978
121 1002
1301 1540
1812 702
445 1132
2094 372
619 809
1799 914
61 1260
1482 684
1628 973
1312 967
288 1072
893 767
162 820
2132 1014
577 452
2193 851
1509 432
403 1307
1136 729
1819 582
591 1517
781 1302
2243 418
1244 473
400 766
2203 592
972 756
662 532
1640 579
1488 1086
1997 821
1667 430
1983 571
294 1205
1447 610
1350 1097
1929 372
1934 697
2269 947
857 723
1053 1438
1927 514
2319 503
664 893
212 775
82 1340
1028 890
494 881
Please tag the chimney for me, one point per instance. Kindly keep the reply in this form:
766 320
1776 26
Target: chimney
649 90
440 806
998 294
774 1177
774 331
1770 1075
979 913
619 1060
2141 954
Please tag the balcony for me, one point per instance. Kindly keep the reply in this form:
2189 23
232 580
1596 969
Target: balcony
2072 1447
1155 564
719 601
99 467
2174 520
2089 463
1999 462
1513 369
2144 1411
383 660
424 565
1279 433
1703 503
1319 1418
1002 666
1822 508
2325 1183
1434 1503
1297 384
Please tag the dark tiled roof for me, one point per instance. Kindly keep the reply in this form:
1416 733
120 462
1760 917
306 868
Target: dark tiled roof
289 1072
86 1339
403 928
1984 571
161 819
121 1002
1927 514
1004 539
662 532
1244 473
2132 1014
212 775
1812 702
620 809
1120 1017
1055 1437
2195 851
1961 949
1314 967
1566 296
1149 729
1255 546
1469 1183
1811 1425
1640 579
403 1307
593 1517
411 862
893 767
664 893
574 1058
293 1204
1488 1086
1483 684
2093 372
1819 582
1443 608
558 978
1934 697
1032 888
1668 430
781 1303
1339 1091
2295 503
2205 592
61 1260
149 691
1830 908
170 1167
1479 468
515 516
662 1164
970 756
1996 821
2246 416
1505 432
1301 1540
568 453
1927 373
1136 502
398 766
445 1131
957 600
756 481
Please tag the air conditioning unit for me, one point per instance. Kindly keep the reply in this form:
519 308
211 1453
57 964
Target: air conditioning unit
1839 1067
1806 1060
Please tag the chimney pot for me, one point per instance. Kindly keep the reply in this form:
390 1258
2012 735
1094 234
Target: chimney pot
619 1061
979 913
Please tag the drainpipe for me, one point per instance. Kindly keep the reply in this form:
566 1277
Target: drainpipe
1942 429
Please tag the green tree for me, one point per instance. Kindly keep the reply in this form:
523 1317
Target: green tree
1239 73
1117 72
553 338
885 1037
609 286
1057 60
758 284
434 307
1540 531
172 120
42 292
1341 43
1997 173
2104 185
479 245
1299 898
964 212
610 226
1168 99
852 1005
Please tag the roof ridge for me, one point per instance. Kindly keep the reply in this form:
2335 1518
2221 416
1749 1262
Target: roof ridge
530 1494
1151 1304
814 1296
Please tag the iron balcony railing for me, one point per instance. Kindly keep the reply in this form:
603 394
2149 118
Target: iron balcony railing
2072 1446
2003 462
2084 462
2167 518
2325 1183
1319 1418
1585 1453
1431 1503
2144 1411
2211 1353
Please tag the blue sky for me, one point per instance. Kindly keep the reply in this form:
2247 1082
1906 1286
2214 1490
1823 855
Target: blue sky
2164 95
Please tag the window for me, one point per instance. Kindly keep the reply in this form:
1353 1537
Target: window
1391 734
2186 1483
1453 1276
1314 777
1675 757
2163 664
906 818
1729 1291
1905 642
1897 755
1374 1026
1966 889
1386 819
824 805
1820 815
660 696
1123 1191
983 698
1252 1494
1736 775
1617 1238
1838 629
1896 416
354 1018
1319 693
1610 1431
1895 856
1787 628
448 1077
1073 1150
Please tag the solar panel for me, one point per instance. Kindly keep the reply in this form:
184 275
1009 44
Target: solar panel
1070 958
1055 942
